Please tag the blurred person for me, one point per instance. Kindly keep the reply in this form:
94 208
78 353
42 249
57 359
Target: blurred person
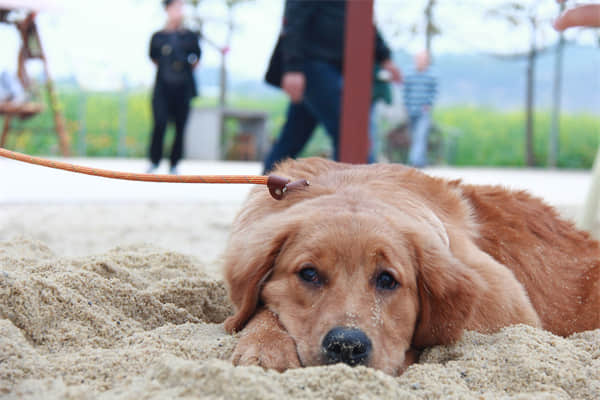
307 64
176 52
381 93
587 15
420 89
11 89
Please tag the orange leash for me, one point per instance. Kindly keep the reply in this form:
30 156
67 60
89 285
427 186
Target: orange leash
278 186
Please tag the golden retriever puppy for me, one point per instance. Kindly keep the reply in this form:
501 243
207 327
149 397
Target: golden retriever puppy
370 264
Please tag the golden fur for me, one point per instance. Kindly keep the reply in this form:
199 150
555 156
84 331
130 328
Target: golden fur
465 257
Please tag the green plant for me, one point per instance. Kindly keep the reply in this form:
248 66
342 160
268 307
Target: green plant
479 136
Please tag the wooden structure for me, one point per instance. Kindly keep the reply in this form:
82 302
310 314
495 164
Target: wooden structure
31 48
358 80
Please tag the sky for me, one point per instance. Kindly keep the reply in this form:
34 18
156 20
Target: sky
104 43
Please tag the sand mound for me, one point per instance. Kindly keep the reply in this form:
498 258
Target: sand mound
138 322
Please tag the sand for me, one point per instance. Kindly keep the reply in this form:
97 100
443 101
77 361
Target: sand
199 230
126 302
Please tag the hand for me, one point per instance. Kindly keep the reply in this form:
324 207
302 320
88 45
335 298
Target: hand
395 72
586 15
293 84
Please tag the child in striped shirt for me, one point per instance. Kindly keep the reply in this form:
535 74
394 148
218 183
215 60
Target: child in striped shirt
420 88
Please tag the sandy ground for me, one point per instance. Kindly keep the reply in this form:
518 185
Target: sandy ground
194 229
123 300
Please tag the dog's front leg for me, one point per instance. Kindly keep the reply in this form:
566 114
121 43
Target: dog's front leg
265 342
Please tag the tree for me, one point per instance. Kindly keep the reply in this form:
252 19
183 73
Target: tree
223 48
556 98
431 29
516 14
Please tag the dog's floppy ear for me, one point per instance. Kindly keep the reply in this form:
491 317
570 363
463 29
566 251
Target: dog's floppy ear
448 294
248 264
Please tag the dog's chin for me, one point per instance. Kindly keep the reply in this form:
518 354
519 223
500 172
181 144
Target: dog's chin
393 367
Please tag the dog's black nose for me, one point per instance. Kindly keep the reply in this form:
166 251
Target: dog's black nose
347 345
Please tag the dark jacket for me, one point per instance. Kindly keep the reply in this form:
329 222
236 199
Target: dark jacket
314 30
175 53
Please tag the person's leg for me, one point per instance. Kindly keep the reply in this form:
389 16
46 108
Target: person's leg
11 88
418 149
413 120
181 113
374 141
323 96
5 94
160 111
297 129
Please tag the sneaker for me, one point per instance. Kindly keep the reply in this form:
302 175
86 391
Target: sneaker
152 169
173 170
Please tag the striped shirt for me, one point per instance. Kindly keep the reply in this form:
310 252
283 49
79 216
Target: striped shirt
420 89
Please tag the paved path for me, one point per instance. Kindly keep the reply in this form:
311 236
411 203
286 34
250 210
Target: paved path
22 183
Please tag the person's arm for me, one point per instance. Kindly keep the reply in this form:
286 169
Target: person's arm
196 50
406 91
382 51
433 91
587 15
154 49
383 56
296 18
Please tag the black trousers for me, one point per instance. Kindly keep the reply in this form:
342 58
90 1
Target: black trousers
169 104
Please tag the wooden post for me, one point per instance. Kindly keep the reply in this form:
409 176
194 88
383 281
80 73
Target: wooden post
556 97
358 81
32 48
529 96
59 122
82 122
123 103
5 129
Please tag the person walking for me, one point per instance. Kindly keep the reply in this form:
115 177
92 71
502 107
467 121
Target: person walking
420 89
307 64
176 52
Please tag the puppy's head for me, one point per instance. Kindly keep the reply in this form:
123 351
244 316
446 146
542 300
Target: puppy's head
353 280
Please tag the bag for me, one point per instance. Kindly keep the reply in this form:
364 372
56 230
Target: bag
381 87
274 72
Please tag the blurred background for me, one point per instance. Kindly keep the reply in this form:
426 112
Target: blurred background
506 79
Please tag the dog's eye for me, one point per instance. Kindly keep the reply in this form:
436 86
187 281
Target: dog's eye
310 275
386 281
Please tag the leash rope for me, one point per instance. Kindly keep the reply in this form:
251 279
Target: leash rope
277 185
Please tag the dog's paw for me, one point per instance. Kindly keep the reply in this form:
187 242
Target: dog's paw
276 352
266 345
